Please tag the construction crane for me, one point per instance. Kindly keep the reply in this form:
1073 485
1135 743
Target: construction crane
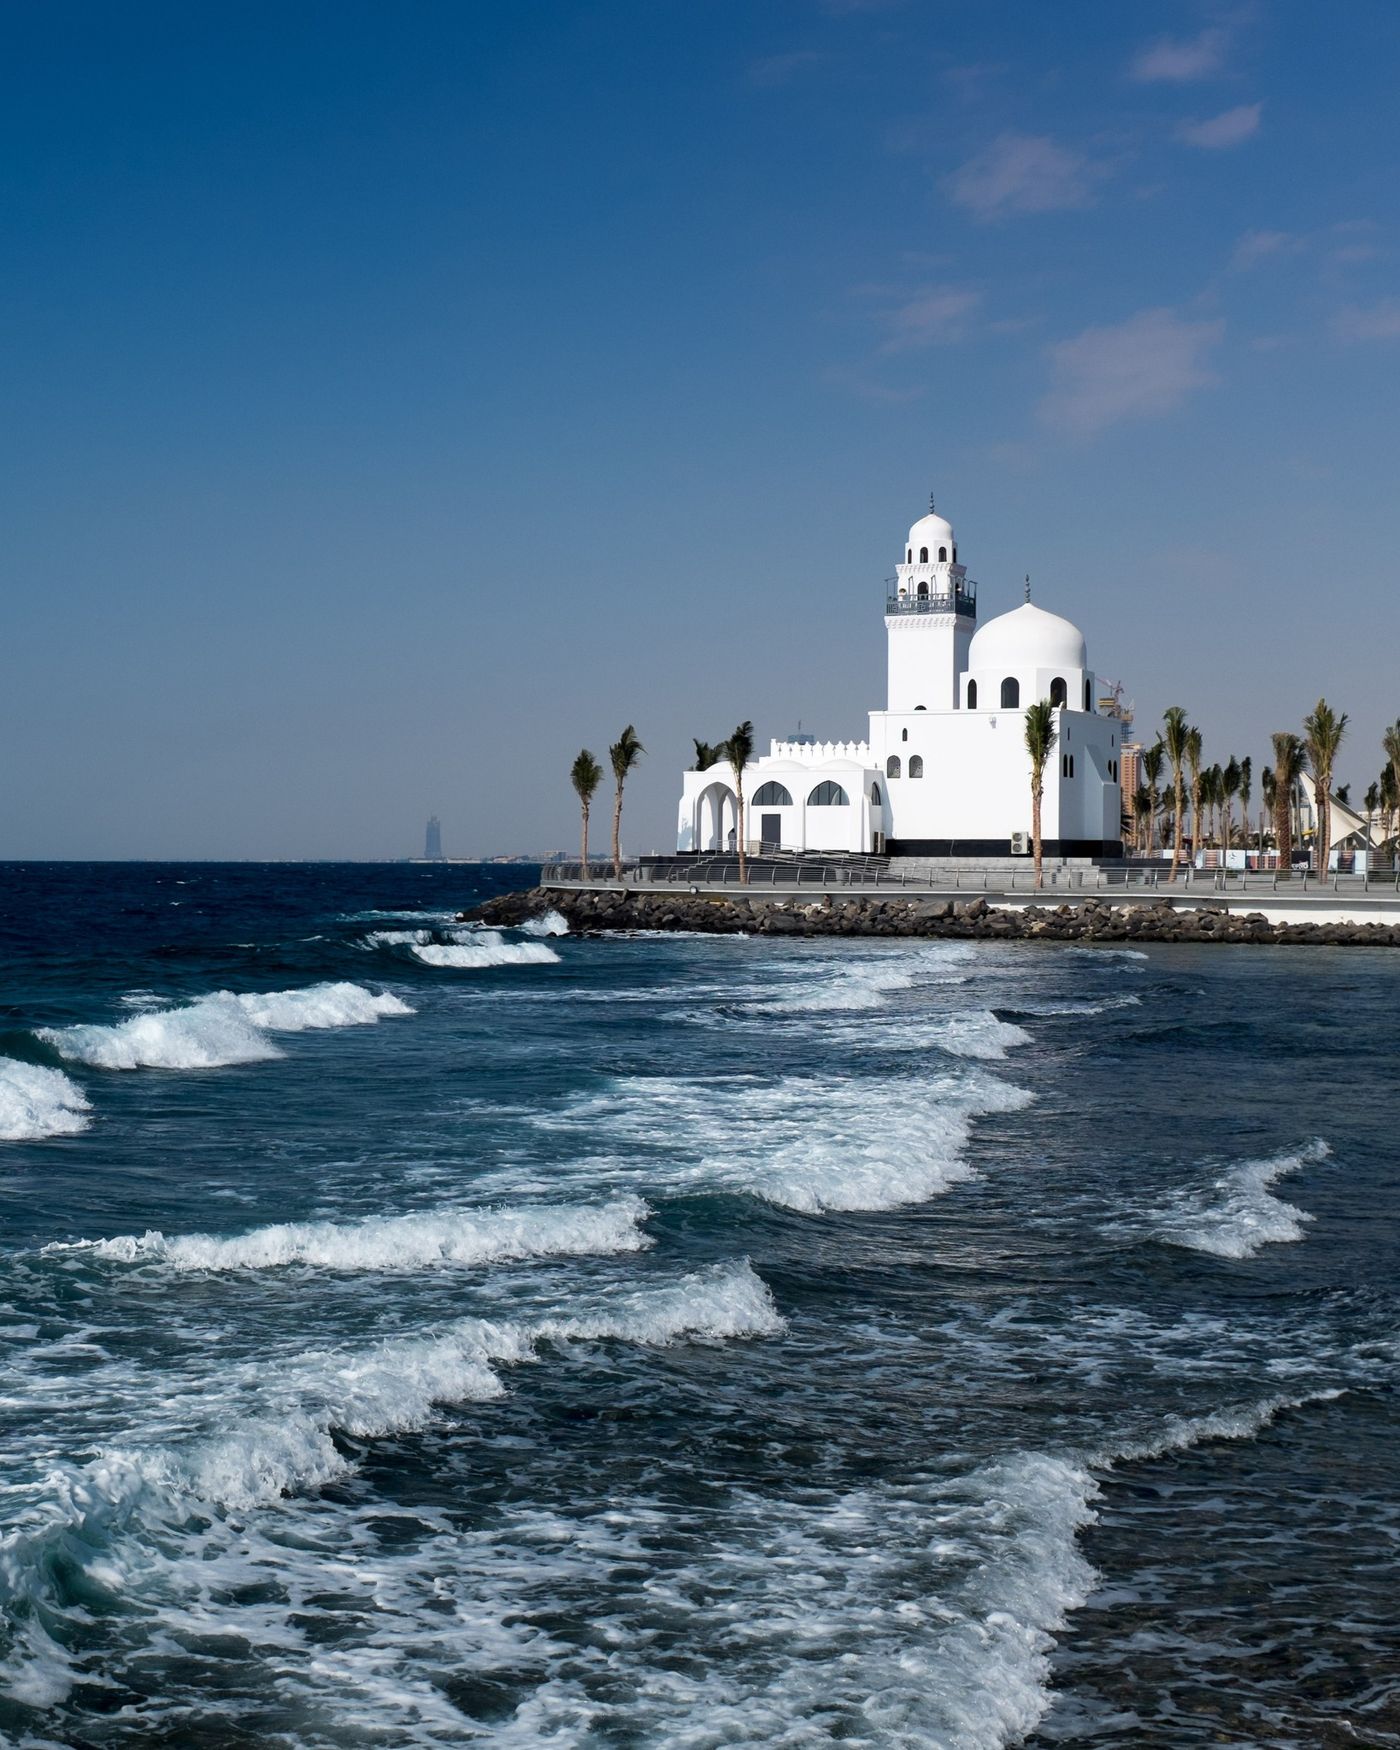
1113 703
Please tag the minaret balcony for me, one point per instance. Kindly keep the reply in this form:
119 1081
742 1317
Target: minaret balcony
961 599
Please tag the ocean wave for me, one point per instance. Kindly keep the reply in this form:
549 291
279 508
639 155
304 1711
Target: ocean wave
803 1142
1239 1213
283 1441
397 938
1240 1422
550 923
402 1242
221 1028
475 950
36 1102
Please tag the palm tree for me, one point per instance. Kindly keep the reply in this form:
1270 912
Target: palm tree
1174 733
1323 730
1193 760
624 754
705 755
1390 801
1229 789
585 775
1040 738
1213 795
738 751
1268 795
1390 741
1152 770
1288 768
1373 802
1142 813
1246 780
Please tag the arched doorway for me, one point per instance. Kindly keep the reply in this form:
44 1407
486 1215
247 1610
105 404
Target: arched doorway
716 818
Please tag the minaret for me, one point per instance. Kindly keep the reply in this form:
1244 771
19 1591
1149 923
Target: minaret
929 619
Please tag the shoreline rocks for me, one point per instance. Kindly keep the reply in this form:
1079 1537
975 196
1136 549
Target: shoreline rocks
1090 919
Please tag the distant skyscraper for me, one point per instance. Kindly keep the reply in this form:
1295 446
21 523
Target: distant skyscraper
433 849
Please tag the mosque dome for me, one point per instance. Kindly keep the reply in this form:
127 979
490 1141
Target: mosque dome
929 534
1025 640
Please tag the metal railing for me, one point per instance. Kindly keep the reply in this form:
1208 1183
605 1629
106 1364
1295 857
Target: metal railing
854 871
957 601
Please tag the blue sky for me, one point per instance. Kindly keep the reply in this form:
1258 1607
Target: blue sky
398 399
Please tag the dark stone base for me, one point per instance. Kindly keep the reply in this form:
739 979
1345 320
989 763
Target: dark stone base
1102 848
590 910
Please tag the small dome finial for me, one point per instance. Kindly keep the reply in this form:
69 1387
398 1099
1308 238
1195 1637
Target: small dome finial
932 507
1028 586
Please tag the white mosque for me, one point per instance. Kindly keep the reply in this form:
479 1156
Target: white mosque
945 772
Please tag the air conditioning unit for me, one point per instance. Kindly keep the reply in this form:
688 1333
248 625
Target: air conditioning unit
1020 844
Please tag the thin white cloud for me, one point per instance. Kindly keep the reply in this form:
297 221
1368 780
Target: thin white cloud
1023 173
1231 128
936 316
1178 60
1136 369
1379 321
1257 246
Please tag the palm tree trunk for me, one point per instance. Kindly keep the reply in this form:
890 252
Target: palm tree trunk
1324 826
1283 829
1178 807
583 850
617 835
739 829
1035 830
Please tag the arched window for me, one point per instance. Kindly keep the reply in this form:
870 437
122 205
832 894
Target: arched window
1059 692
955 554
828 795
972 695
923 555
1088 697
904 735
1010 693
916 765
909 556
874 795
771 795
892 766
942 555
921 707
923 589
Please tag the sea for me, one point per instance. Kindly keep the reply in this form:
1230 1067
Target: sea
417 1334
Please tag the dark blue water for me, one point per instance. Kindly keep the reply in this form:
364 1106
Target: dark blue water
425 1336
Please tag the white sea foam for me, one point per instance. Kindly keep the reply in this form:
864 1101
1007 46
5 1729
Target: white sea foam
401 1242
804 1142
475 950
550 923
397 938
1242 1422
36 1102
270 1430
1239 1213
221 1028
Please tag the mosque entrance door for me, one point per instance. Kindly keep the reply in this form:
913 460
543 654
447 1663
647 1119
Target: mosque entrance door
770 831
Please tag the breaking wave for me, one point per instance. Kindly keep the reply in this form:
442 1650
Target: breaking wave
1239 1213
403 1242
475 950
36 1102
802 1142
550 923
221 1028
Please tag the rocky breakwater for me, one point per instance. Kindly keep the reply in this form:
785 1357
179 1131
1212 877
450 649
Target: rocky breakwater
1090 919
